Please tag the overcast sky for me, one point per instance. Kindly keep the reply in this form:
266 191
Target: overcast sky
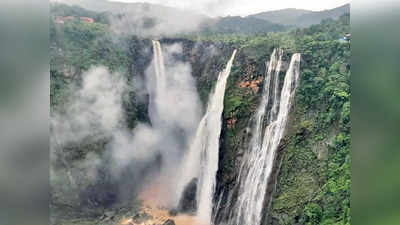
244 7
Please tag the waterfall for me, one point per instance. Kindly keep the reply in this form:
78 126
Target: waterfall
209 151
202 158
159 59
258 161
174 111
158 92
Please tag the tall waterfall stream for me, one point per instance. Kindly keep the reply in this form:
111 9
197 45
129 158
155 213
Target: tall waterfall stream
259 159
269 122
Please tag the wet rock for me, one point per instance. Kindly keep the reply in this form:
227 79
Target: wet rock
284 218
127 222
188 202
141 217
323 154
321 150
108 215
169 222
231 122
173 212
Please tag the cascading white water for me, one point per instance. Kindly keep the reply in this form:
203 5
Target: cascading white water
174 112
159 59
209 151
259 159
158 92
174 102
202 158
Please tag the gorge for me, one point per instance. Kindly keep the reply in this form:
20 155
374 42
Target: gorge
199 128
201 160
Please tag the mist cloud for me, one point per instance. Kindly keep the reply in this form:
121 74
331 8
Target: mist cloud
148 21
242 7
174 112
94 113
142 19
93 108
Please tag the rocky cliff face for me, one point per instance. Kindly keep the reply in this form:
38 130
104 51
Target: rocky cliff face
207 59
106 192
242 97
314 151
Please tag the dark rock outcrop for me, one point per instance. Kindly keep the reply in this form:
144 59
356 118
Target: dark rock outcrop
169 222
141 217
173 212
188 202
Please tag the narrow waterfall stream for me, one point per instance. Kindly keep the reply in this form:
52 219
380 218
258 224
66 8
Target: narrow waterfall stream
159 59
159 90
202 158
174 113
209 151
259 159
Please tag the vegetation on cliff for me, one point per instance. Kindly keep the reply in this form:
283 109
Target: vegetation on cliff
313 185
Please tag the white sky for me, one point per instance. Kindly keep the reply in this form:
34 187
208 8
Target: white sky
244 7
